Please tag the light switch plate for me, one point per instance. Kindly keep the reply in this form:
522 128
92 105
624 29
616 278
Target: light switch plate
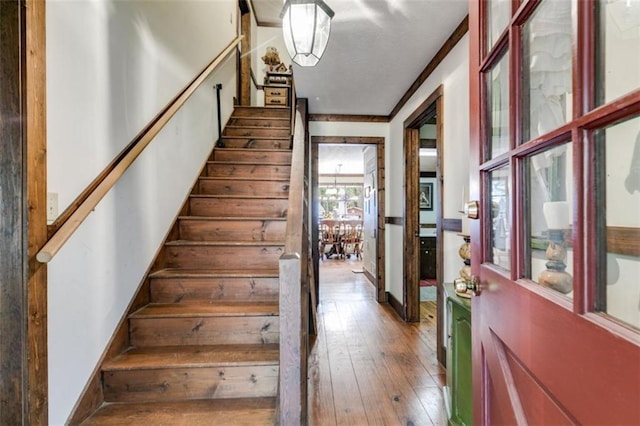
52 206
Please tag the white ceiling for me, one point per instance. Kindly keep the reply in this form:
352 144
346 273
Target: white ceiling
376 50
340 159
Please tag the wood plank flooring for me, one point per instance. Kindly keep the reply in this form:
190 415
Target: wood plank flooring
367 366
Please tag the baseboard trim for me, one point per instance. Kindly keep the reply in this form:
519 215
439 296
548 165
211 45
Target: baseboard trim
396 305
369 276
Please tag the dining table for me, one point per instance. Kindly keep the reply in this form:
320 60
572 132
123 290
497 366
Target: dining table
332 232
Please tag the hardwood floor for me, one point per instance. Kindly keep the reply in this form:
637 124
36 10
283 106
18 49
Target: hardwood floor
367 366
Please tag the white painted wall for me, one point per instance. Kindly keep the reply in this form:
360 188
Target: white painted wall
453 74
111 66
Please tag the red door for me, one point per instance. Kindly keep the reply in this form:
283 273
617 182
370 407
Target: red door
555 148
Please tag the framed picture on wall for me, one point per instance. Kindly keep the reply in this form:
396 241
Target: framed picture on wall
426 196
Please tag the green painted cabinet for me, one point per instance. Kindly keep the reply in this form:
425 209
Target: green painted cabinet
459 388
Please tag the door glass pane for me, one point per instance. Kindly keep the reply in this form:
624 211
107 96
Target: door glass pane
550 208
500 216
546 69
498 108
498 14
618 221
617 48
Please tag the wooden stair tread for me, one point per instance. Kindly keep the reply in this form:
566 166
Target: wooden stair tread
237 411
254 150
263 118
253 197
185 243
216 309
243 126
242 163
257 137
243 178
232 218
194 356
211 273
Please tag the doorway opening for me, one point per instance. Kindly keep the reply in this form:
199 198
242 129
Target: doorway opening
348 206
423 296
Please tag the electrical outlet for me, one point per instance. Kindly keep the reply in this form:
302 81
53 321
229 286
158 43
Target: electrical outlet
52 206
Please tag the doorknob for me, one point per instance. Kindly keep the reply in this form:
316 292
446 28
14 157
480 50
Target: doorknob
473 285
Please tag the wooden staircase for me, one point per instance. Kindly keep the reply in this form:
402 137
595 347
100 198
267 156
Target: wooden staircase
204 350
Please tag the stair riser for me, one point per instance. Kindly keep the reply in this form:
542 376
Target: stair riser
191 383
217 207
261 112
232 230
204 330
214 289
243 187
225 257
259 122
248 170
252 156
253 143
254 132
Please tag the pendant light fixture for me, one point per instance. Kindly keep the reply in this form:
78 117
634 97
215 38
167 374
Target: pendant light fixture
306 25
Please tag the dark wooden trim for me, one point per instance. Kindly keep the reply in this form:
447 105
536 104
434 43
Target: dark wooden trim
623 240
428 225
425 111
394 220
350 118
446 48
428 174
354 140
245 58
378 141
428 143
452 225
431 108
14 312
37 390
23 177
369 276
396 305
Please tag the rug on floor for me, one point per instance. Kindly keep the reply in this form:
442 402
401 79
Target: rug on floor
428 293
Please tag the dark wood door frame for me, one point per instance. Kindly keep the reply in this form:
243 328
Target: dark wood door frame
23 228
411 265
381 294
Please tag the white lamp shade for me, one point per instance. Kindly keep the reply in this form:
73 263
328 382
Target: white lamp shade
306 25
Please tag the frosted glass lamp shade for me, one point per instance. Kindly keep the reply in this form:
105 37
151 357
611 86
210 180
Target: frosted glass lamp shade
306 25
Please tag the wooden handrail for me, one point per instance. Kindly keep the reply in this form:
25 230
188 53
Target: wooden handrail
108 178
